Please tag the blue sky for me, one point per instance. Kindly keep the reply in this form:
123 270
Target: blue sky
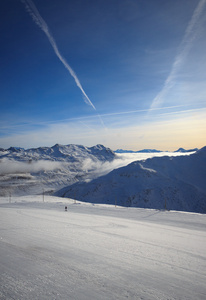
124 73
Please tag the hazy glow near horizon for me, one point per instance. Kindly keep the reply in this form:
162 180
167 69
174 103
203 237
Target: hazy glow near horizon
142 69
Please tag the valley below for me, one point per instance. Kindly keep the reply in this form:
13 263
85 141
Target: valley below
158 180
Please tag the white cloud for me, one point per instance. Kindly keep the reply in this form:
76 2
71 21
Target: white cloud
98 168
162 131
12 167
185 46
31 8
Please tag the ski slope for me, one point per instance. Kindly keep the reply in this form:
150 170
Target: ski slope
99 251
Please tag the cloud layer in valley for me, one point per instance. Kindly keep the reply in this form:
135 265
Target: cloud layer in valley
12 167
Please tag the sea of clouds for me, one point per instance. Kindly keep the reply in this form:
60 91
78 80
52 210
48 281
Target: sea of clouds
95 168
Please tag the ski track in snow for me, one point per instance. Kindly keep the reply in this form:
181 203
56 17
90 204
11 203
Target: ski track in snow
99 251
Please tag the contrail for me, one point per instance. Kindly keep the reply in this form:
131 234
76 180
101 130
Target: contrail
31 8
186 44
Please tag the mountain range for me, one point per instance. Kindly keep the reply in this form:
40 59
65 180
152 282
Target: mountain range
182 150
175 183
98 175
46 169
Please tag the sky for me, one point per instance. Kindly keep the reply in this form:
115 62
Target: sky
127 74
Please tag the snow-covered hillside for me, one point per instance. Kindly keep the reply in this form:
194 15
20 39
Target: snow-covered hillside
177 183
176 180
48 168
99 252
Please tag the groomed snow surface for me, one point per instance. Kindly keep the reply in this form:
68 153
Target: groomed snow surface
99 251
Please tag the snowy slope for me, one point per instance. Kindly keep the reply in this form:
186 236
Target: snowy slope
48 168
99 252
177 183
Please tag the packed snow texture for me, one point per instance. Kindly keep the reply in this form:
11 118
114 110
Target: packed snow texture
177 183
99 251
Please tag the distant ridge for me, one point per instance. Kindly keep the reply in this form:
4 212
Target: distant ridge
182 150
139 151
58 152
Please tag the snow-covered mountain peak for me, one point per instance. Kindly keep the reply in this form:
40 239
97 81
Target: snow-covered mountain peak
176 182
49 167
16 149
99 147
58 152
